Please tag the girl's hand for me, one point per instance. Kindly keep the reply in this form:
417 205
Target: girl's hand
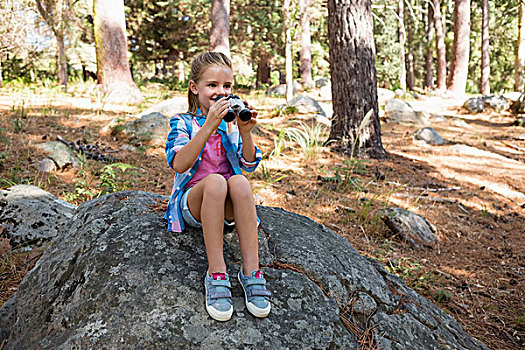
216 112
247 126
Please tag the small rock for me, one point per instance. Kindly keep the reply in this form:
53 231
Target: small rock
128 148
429 136
498 103
474 105
62 155
320 82
414 228
438 118
46 165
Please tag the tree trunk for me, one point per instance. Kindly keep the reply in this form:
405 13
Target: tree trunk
410 60
113 72
263 70
429 63
460 49
305 55
47 11
288 50
1 78
402 42
61 61
354 79
181 77
519 63
485 57
441 50
220 26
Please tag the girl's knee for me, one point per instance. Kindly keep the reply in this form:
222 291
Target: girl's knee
239 185
216 186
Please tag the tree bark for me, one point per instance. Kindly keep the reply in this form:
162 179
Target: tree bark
263 69
220 26
1 78
460 50
402 42
305 55
519 63
354 79
429 62
54 15
441 50
61 61
410 58
485 53
288 49
113 72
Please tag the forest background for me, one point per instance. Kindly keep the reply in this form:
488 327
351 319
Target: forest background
45 44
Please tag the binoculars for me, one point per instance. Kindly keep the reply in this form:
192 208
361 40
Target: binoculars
236 106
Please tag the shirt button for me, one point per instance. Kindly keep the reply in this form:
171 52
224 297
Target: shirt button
178 188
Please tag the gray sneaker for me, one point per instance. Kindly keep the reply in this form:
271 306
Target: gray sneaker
218 296
257 297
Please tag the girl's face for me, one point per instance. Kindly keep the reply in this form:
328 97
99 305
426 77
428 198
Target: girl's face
214 81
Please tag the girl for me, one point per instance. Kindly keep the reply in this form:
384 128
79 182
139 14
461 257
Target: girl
209 189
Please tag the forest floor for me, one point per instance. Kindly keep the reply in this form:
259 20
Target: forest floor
473 196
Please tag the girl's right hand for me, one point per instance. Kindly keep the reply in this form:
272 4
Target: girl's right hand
216 112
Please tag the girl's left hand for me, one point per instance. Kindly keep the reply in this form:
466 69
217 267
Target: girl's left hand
247 126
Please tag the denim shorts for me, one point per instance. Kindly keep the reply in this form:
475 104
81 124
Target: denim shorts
189 219
186 214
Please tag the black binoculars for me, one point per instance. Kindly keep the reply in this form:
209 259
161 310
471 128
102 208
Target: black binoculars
236 106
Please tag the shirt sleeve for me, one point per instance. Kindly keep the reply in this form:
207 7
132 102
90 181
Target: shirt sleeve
178 137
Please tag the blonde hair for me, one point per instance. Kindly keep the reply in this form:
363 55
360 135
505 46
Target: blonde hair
200 63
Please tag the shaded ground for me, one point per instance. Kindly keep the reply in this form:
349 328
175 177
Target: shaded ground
476 271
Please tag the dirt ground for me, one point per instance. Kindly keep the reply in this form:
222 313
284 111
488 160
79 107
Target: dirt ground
472 194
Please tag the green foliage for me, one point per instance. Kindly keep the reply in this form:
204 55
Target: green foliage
283 110
109 179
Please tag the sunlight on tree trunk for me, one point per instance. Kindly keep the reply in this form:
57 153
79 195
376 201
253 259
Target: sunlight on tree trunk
485 53
519 63
460 50
113 73
220 26
429 59
441 50
305 55
288 50
402 42
354 80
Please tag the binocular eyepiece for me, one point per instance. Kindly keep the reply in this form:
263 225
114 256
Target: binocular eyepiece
236 106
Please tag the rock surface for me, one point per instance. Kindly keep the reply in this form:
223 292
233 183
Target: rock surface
62 155
31 216
398 111
412 227
428 135
115 278
153 127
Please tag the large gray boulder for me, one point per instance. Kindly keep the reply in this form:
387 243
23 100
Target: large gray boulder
31 216
399 112
116 279
153 128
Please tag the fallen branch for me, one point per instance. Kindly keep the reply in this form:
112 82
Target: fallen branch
454 188
512 146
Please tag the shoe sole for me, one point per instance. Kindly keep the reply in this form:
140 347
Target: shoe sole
254 310
214 313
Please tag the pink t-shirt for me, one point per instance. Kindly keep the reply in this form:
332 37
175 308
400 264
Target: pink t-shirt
214 161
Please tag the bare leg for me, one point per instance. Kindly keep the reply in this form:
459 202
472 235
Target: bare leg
206 203
245 216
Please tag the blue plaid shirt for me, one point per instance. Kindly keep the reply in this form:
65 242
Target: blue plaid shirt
183 129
